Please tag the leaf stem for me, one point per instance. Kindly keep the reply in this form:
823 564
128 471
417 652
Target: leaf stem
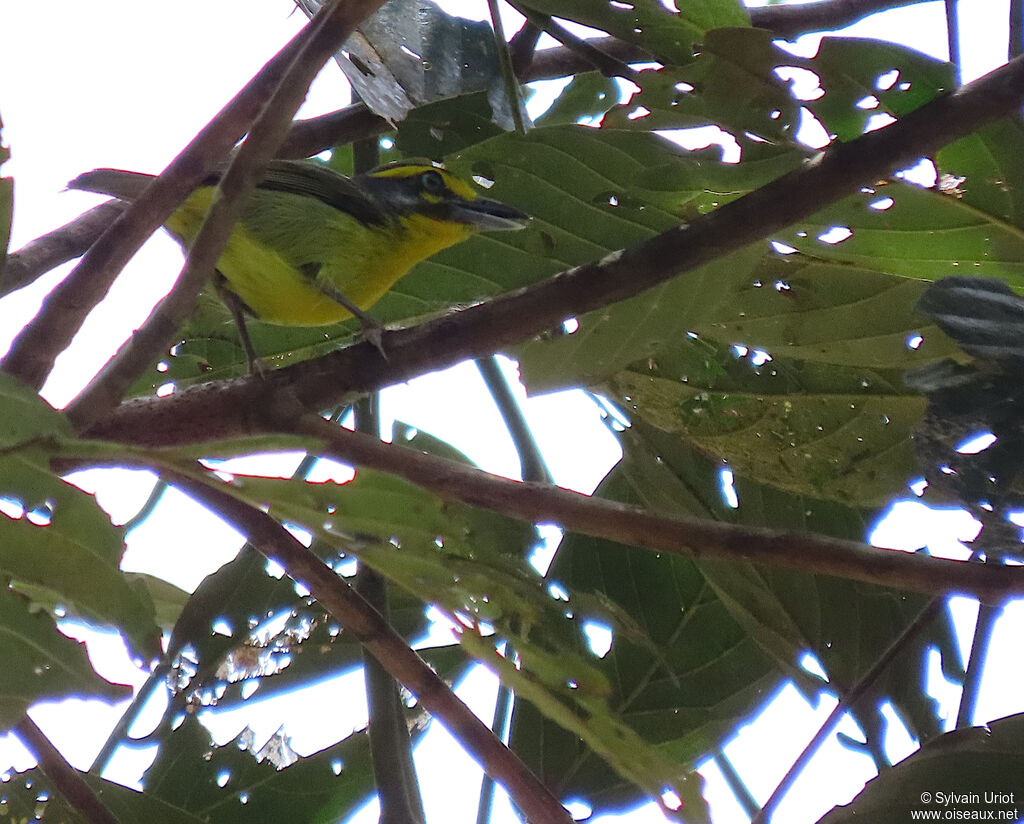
863 684
508 74
67 780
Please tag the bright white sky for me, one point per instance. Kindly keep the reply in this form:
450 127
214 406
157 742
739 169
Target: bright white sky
94 84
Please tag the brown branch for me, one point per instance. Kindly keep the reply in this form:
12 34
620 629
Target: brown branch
32 354
635 526
522 47
223 409
323 36
370 629
66 779
587 50
793 19
316 134
39 256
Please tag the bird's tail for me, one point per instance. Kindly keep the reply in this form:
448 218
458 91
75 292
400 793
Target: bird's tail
114 182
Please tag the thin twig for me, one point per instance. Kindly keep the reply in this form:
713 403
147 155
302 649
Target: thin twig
369 628
1015 46
39 256
221 410
532 467
605 63
66 779
531 462
508 75
953 37
325 34
854 694
499 724
988 615
398 790
119 734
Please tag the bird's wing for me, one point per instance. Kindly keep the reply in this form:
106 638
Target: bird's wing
317 181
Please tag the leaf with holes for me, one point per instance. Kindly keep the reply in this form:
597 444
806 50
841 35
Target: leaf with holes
914 232
814 429
731 84
785 306
731 633
586 97
31 796
40 663
670 34
240 599
844 624
472 564
707 675
239 782
982 171
861 80
54 536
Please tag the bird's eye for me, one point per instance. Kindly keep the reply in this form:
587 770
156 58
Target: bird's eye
432 182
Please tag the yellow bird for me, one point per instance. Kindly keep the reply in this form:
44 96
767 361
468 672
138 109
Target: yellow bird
314 247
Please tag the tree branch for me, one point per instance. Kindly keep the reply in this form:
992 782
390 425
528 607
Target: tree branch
33 352
49 251
323 37
66 779
370 629
313 135
587 50
634 526
790 20
223 409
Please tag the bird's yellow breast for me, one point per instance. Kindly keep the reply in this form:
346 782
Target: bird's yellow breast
278 257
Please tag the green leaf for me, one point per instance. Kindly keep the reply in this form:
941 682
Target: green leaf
62 541
27 417
828 415
731 633
40 663
818 430
669 35
708 677
862 78
586 96
23 792
920 233
731 84
54 538
168 599
473 565
982 170
242 597
846 625
975 774
230 784
448 126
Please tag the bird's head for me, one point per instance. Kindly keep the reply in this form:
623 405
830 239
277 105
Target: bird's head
408 188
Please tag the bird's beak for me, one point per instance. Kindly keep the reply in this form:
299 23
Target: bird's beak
489 215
